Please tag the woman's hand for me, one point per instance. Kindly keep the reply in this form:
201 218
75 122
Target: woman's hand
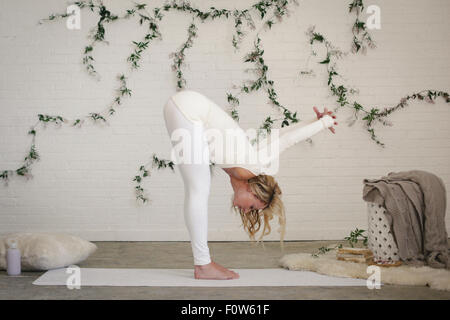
325 112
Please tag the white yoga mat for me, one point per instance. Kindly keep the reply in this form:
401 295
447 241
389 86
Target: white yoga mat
185 278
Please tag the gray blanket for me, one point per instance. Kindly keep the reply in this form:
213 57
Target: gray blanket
415 203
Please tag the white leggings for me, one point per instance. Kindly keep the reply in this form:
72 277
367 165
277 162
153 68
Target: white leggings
197 177
197 182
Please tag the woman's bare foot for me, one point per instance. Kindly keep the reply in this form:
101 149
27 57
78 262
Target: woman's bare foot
214 271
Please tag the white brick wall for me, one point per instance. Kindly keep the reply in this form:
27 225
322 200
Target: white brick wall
83 182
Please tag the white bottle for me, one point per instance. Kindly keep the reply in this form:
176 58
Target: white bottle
13 259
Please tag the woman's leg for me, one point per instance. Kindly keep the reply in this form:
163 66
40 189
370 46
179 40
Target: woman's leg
197 183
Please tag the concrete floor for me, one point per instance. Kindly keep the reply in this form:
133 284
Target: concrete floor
178 255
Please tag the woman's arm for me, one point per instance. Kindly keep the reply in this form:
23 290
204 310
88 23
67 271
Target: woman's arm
239 173
300 132
282 131
297 133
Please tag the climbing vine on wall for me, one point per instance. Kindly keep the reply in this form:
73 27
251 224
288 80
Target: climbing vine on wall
361 35
341 92
270 12
98 34
262 82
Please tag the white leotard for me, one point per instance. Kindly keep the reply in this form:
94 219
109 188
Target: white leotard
191 110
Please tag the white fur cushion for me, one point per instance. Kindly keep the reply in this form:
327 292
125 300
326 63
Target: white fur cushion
44 251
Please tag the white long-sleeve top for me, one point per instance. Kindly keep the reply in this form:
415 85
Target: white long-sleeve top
199 109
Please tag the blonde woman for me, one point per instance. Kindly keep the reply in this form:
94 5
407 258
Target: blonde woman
257 197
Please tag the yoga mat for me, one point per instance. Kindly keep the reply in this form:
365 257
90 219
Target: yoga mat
185 278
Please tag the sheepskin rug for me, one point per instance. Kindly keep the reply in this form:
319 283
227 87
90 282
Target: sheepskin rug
327 264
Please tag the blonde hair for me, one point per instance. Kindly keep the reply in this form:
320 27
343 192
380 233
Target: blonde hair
266 189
